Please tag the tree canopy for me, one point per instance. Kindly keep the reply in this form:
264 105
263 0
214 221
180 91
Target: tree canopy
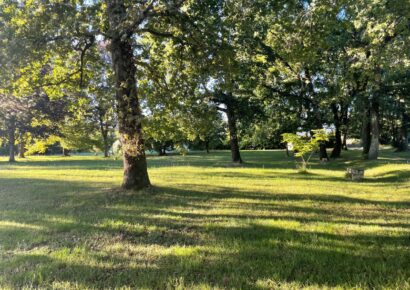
174 73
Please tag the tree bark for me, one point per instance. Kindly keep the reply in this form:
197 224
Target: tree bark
106 149
236 155
162 151
345 125
337 149
375 132
366 133
104 131
403 142
344 140
66 152
129 111
207 146
12 131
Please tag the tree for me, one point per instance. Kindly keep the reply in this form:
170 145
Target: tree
304 147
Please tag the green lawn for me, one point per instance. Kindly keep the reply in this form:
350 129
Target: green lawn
205 224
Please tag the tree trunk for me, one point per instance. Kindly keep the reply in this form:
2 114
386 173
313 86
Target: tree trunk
405 132
162 151
344 142
66 152
366 133
22 147
12 131
287 150
345 125
207 146
106 149
104 133
403 142
236 155
337 149
322 146
375 132
129 111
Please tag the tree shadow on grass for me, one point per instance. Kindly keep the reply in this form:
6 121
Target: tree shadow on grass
250 249
241 257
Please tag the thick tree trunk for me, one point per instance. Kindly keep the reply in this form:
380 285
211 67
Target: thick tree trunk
129 111
375 132
11 133
236 155
337 149
22 146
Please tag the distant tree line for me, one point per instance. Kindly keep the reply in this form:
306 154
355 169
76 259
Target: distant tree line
171 74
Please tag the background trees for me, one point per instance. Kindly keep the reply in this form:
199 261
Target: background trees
262 68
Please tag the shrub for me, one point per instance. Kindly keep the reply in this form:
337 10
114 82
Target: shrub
304 147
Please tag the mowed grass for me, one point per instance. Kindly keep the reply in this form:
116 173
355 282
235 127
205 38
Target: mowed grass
205 224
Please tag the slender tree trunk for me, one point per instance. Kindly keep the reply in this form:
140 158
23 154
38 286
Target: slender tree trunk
236 155
104 133
405 132
344 140
129 110
345 125
375 131
337 149
366 133
66 152
12 131
287 150
106 149
162 151
22 146
207 146
403 142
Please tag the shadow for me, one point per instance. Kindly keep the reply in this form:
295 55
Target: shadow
91 235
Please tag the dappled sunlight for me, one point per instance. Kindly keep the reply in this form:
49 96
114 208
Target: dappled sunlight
204 225
11 224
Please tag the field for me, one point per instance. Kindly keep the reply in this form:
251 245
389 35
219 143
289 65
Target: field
205 224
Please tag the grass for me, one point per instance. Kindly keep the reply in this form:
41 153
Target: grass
205 224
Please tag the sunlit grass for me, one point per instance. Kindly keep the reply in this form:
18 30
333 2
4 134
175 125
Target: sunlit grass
205 224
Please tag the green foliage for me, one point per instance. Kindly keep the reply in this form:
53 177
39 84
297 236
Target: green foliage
304 147
77 134
39 146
